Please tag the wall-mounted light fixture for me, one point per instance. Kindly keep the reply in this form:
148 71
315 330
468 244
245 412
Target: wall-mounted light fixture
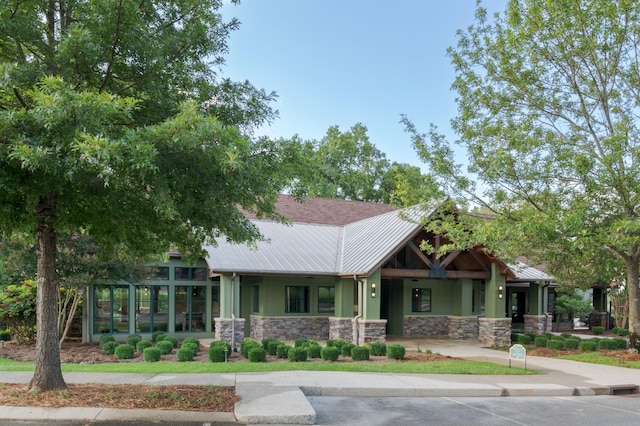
499 292
373 290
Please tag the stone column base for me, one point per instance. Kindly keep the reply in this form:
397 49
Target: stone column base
537 324
494 331
341 328
463 328
371 331
227 327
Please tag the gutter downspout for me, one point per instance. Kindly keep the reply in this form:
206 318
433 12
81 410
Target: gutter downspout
233 314
356 328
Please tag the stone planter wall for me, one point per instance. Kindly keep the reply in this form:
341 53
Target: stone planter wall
537 324
341 328
371 331
225 328
463 328
289 328
425 325
494 331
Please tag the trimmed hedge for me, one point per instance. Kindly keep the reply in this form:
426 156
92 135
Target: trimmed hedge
191 346
106 338
152 354
524 339
247 345
346 349
360 353
555 344
217 353
165 346
330 353
597 329
282 351
185 354
272 347
607 344
257 354
337 343
191 340
125 351
588 346
313 351
133 339
623 332
541 341
142 345
620 343
572 343
297 354
395 351
109 347
378 349
171 339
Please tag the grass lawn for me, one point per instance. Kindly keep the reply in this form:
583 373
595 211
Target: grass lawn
599 358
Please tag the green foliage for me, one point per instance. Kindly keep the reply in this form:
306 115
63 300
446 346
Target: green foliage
571 343
607 344
573 305
191 346
588 346
297 354
346 349
282 351
257 354
185 354
18 310
191 340
152 354
330 353
171 339
620 343
165 346
622 332
247 345
109 347
338 343
541 341
125 351
378 348
524 339
272 347
555 344
313 351
142 345
106 338
396 351
133 339
266 341
5 335
360 353
218 351
158 336
597 329
514 337
301 343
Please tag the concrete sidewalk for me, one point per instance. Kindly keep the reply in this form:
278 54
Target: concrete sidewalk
280 397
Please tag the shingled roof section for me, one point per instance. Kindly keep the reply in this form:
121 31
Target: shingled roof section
327 211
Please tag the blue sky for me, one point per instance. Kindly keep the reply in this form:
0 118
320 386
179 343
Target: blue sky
342 62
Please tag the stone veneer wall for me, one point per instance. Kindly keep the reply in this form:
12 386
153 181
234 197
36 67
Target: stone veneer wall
371 331
225 328
425 325
537 324
463 328
494 331
341 328
289 328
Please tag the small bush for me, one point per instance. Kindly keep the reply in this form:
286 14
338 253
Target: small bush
158 337
588 346
532 336
524 339
297 354
360 353
191 346
247 345
572 343
514 337
622 332
558 345
337 343
142 345
191 340
133 340
565 335
346 349
272 347
607 344
106 338
330 353
152 354
541 341
257 354
620 343
614 330
395 351
5 335
266 341
165 346
109 347
124 351
171 339
597 330
185 354
313 351
378 349
301 343
217 353
155 334
282 351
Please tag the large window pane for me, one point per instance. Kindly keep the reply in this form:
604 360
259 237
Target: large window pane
190 308
102 309
190 274
121 309
326 299
297 299
215 305
152 308
421 300
111 309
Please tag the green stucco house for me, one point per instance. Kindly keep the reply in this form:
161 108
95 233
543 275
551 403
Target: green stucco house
339 269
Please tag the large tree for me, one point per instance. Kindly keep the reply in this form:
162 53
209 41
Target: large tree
114 122
548 101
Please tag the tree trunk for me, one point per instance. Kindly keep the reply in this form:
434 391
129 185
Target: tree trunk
48 372
632 285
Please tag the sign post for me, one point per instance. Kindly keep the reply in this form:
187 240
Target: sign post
518 352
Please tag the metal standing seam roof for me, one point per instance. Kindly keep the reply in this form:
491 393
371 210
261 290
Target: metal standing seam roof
526 273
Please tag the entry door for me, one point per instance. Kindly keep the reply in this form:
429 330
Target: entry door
518 305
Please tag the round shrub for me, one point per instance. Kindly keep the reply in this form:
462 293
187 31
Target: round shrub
282 351
272 347
191 340
142 345
524 339
152 354
257 354
297 354
124 351
607 344
217 353
106 338
158 337
620 343
171 339
572 343
337 343
558 345
191 346
514 337
588 346
313 351
565 335
247 345
330 353
266 341
360 353
378 349
133 340
109 347
346 349
300 343
155 334
165 347
541 341
597 329
224 345
623 332
185 354
395 351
